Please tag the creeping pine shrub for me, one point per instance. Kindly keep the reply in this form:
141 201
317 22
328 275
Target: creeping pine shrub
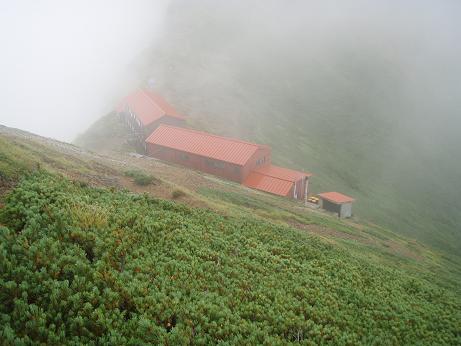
139 177
177 193
86 266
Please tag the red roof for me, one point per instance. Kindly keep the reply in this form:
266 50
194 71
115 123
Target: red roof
161 102
147 106
269 184
204 144
282 173
274 179
336 197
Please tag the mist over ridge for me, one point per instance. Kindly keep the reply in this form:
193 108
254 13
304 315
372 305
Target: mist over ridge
65 63
363 94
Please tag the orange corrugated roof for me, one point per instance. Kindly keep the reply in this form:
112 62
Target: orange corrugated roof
266 183
204 144
336 197
147 106
274 179
282 173
161 102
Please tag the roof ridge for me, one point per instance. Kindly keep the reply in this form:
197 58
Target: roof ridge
210 134
288 169
271 176
179 116
152 101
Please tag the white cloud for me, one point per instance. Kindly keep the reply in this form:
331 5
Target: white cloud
64 63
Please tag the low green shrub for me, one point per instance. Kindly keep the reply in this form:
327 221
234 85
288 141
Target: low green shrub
178 193
140 178
80 265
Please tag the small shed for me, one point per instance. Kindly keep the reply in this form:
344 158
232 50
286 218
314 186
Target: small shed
337 203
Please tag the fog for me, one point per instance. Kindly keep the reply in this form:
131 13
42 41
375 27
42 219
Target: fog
366 94
63 64
402 57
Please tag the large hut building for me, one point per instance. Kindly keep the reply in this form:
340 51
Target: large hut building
233 159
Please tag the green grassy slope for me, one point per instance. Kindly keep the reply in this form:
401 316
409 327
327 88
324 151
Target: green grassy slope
366 240
86 265
107 134
354 106
105 265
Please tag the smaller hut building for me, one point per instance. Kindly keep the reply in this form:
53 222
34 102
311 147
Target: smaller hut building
337 203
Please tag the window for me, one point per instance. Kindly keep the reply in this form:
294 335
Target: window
214 164
260 161
184 156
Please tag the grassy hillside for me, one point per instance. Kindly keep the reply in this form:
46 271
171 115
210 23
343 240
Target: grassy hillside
349 101
91 257
107 134
90 265
364 239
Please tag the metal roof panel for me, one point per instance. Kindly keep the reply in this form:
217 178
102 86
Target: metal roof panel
266 183
147 106
336 197
203 144
282 173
